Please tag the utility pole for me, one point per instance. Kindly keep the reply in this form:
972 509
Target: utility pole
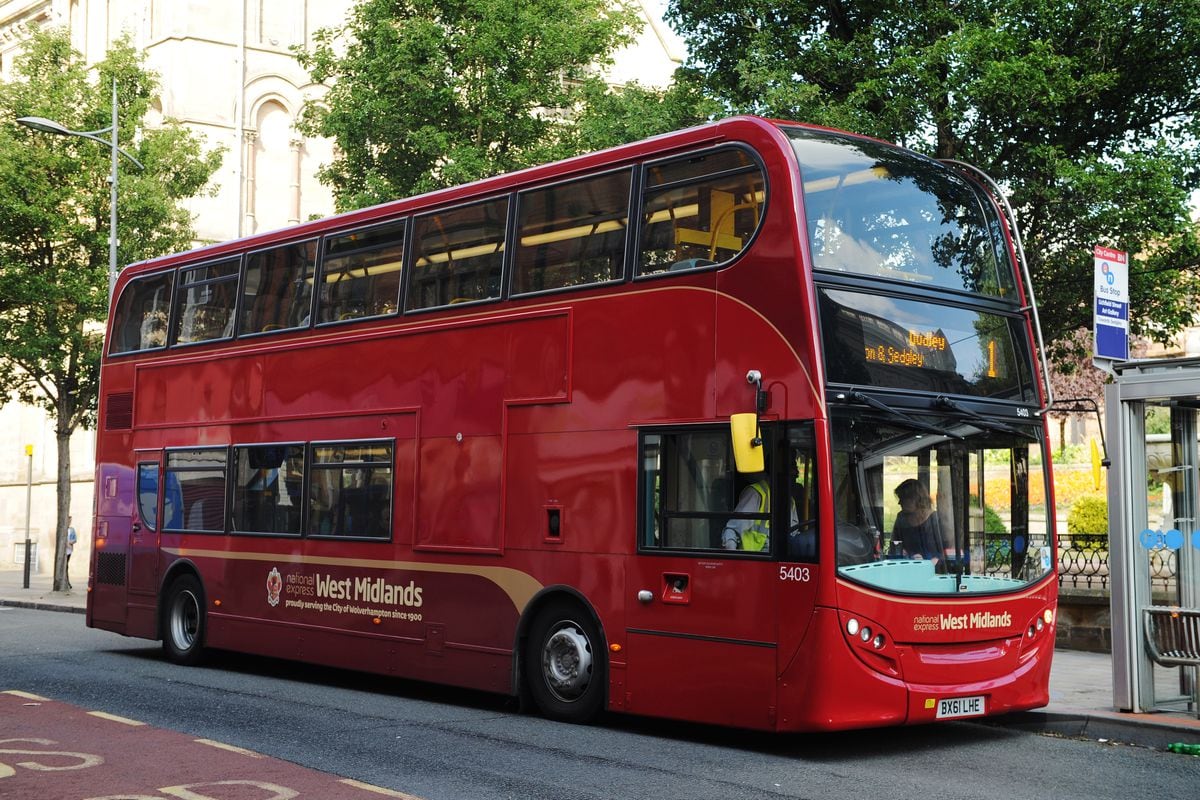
28 513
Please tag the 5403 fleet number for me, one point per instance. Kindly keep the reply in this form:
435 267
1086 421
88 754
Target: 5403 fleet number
793 573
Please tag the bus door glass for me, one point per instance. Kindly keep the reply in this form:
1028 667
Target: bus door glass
143 539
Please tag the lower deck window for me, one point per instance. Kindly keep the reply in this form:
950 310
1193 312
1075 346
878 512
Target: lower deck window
195 490
268 485
350 490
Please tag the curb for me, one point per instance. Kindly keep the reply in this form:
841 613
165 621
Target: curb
38 605
1111 727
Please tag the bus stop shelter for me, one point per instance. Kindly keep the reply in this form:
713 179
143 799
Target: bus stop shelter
1154 539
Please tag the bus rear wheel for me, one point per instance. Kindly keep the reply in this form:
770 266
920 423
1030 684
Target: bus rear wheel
564 663
183 621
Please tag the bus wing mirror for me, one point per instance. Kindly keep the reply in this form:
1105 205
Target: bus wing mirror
747 443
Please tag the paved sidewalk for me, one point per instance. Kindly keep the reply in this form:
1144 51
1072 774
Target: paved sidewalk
1081 698
40 593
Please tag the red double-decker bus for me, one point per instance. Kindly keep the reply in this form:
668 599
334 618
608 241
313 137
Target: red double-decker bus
740 424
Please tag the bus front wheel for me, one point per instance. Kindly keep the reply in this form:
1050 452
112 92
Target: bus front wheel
565 663
183 622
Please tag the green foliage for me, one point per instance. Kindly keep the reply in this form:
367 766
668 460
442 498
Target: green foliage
425 94
992 522
1086 112
54 224
609 116
1158 419
1088 514
54 215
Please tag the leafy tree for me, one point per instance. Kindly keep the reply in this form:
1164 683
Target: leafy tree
425 94
1085 111
610 116
54 226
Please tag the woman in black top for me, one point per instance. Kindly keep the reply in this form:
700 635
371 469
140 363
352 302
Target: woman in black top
917 533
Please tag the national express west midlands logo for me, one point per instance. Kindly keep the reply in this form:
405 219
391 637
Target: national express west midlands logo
274 586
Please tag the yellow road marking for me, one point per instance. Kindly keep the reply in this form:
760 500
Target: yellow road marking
26 695
379 790
115 718
231 748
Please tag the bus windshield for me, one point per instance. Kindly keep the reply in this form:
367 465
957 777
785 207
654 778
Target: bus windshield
883 212
920 512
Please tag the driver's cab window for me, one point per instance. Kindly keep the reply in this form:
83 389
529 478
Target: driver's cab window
693 497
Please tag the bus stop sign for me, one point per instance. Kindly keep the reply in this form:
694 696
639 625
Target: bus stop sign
1111 317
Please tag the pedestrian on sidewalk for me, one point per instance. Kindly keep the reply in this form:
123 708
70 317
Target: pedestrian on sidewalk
71 539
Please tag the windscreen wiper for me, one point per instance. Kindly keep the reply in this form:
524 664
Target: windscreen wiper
898 416
980 421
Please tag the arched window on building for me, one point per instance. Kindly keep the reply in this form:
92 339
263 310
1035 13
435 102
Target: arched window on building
274 181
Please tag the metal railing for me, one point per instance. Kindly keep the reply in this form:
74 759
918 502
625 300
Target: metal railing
1083 564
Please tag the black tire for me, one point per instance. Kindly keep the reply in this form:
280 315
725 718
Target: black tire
565 664
183 621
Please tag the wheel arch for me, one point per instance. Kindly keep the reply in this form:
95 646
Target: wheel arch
545 597
178 569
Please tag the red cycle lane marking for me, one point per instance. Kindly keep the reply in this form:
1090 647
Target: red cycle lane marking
55 751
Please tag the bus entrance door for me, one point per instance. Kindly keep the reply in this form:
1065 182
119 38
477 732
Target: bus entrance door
701 639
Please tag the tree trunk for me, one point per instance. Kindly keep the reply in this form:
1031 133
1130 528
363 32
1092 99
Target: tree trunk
63 440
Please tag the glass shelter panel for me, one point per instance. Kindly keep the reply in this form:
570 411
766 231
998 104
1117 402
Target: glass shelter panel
1167 543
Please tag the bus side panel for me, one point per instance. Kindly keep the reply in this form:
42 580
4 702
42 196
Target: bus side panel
403 618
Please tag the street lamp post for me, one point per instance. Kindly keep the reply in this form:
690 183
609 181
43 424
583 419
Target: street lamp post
50 126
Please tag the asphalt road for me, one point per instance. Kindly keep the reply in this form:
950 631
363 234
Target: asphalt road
447 744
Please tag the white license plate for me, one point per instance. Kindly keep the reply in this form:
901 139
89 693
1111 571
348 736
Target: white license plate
954 707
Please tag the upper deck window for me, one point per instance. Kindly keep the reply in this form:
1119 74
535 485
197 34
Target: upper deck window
277 294
572 234
140 318
205 301
458 254
699 210
360 273
884 212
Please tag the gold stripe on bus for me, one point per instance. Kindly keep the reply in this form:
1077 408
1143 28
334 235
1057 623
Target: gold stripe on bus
519 586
